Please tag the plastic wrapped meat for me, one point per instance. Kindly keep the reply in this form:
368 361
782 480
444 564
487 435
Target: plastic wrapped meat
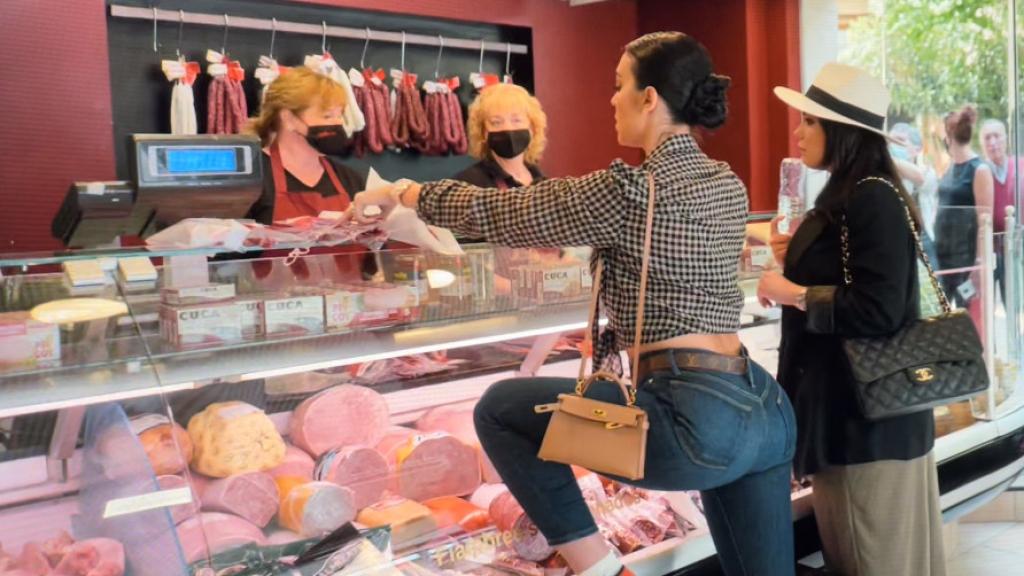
181 512
94 557
252 496
419 365
509 516
213 532
55 548
486 493
518 565
167 445
6 560
316 508
450 511
345 415
457 420
200 233
627 517
362 470
431 465
297 463
33 560
684 509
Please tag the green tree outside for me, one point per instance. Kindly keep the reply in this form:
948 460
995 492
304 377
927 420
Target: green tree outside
941 54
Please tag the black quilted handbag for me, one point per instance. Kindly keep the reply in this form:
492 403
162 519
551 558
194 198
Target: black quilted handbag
929 362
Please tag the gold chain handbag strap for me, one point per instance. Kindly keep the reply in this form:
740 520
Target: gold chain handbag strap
844 242
582 382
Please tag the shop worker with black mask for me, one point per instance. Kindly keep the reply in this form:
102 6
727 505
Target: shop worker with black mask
300 125
507 134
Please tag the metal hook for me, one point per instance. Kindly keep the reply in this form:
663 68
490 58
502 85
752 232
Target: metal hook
155 46
323 37
224 41
181 27
403 50
362 59
481 56
437 65
273 35
508 58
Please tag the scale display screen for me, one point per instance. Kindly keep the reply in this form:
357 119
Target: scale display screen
182 161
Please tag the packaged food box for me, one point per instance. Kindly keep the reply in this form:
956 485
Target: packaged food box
293 314
342 308
379 303
547 283
197 294
251 310
201 325
27 343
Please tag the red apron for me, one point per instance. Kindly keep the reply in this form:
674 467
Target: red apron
348 260
288 204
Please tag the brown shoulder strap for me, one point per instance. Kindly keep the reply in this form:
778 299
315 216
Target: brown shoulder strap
641 300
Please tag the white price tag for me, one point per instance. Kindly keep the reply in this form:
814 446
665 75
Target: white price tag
144 502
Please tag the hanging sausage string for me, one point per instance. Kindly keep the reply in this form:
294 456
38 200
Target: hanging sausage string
381 118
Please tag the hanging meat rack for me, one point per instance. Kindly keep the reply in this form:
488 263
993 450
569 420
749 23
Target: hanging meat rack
319 29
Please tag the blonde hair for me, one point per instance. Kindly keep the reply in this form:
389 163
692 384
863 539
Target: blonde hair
484 103
296 90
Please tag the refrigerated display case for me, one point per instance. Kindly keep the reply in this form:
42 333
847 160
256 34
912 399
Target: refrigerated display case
239 422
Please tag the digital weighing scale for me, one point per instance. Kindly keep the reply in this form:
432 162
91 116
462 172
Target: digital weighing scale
172 178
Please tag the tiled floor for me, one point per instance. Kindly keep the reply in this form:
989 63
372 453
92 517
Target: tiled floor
989 549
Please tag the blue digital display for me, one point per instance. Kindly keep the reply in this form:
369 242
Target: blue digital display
201 160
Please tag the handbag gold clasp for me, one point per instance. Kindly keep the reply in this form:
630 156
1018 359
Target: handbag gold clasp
924 375
600 412
612 426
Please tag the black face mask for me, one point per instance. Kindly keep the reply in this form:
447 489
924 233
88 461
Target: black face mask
329 139
508 143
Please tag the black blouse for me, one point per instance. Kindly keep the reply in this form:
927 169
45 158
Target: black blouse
487 174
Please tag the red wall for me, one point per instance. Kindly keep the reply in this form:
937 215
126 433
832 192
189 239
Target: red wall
756 136
55 116
57 122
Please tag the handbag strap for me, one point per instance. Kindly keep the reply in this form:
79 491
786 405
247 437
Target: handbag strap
641 300
844 242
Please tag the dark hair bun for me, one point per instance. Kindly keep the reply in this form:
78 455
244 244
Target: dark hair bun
679 68
960 124
708 106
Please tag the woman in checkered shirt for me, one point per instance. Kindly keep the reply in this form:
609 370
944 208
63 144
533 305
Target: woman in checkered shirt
719 423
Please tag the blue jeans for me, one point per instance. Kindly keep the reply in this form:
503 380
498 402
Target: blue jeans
730 436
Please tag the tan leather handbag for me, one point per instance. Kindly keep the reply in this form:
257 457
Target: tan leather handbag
602 436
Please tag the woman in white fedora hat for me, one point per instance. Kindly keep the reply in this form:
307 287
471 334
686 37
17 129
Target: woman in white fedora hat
875 482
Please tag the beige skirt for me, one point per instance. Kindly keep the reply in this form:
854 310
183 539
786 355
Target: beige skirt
881 518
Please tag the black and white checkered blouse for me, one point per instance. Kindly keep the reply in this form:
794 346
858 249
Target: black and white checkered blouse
699 227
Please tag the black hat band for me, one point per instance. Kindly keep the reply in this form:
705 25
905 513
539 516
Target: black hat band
850 111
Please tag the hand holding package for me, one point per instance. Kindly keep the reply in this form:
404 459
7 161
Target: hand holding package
404 225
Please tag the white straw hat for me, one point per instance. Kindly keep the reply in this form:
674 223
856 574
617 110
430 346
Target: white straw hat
843 94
